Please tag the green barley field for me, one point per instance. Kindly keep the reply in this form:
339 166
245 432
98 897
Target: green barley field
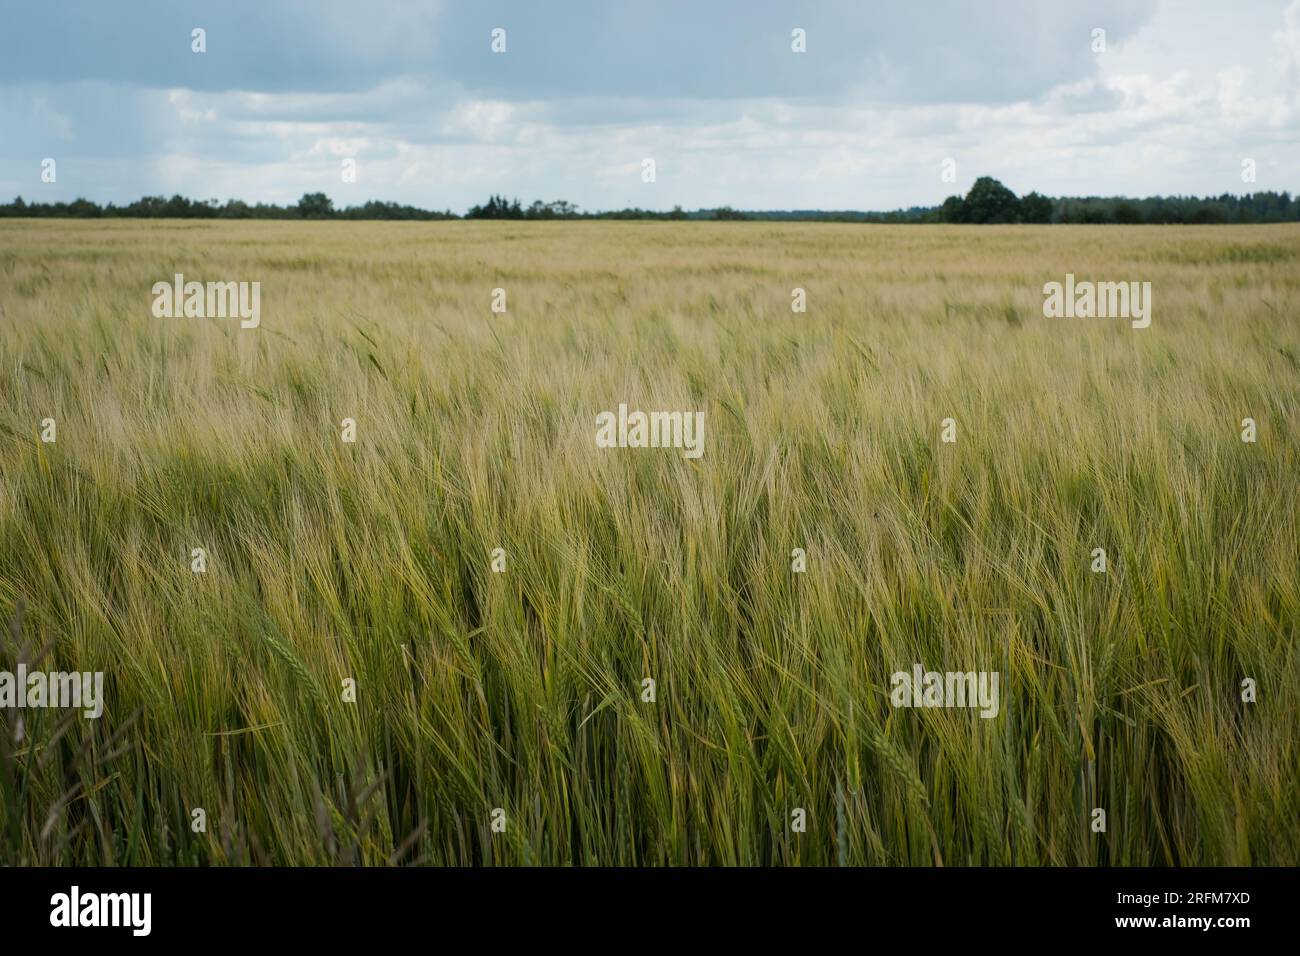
354 678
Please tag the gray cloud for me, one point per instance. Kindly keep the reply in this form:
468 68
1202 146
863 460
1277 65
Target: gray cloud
587 89
942 51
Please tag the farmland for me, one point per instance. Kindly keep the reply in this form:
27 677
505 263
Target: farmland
426 637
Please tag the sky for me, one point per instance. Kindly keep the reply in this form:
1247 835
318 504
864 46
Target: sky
889 105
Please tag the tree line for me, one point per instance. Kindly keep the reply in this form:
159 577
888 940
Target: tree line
987 201
310 206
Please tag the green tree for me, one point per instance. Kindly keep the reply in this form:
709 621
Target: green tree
953 210
497 207
1035 207
729 214
989 201
315 206
1127 213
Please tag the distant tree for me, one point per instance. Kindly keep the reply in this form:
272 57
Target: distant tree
727 213
178 207
1127 213
315 206
953 210
497 207
1211 213
990 202
482 212
1092 214
147 207
560 209
1035 207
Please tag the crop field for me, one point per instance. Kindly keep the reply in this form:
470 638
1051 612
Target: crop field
366 587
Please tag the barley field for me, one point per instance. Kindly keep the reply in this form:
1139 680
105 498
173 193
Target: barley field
359 676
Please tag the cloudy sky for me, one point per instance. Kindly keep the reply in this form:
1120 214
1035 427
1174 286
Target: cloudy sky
587 89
